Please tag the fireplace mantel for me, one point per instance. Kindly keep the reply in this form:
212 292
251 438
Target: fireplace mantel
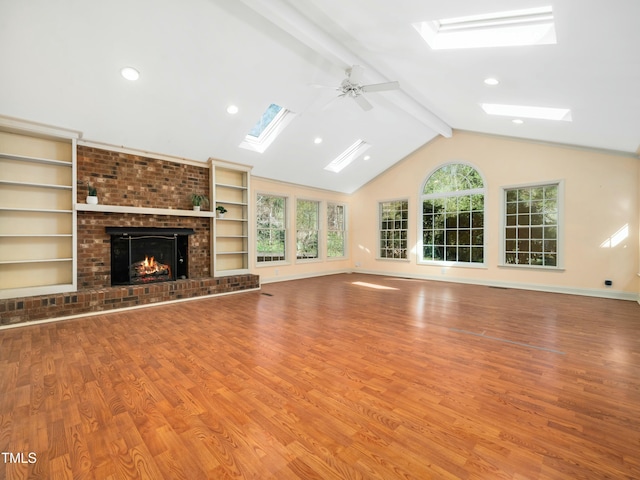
85 207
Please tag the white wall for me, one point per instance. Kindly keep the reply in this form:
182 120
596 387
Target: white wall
293 268
600 198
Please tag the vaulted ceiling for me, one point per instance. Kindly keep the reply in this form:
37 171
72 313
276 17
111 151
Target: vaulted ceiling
60 64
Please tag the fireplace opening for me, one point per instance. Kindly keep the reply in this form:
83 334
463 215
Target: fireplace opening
148 255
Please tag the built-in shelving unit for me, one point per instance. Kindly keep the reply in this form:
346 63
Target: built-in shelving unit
37 219
230 187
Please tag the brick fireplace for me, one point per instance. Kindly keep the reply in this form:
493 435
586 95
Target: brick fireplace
126 180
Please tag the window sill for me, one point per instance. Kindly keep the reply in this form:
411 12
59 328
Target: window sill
308 260
532 267
272 264
445 264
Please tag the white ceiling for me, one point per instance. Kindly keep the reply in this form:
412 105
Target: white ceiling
60 65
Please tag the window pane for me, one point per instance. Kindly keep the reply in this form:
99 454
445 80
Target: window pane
453 178
477 219
427 252
477 255
335 244
336 226
393 228
457 221
270 223
307 214
536 219
464 220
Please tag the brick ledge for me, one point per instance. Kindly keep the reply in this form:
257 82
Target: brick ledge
24 310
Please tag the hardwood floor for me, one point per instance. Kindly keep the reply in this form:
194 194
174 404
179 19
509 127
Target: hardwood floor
346 376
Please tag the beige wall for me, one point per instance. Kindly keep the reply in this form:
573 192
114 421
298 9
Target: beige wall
298 268
600 198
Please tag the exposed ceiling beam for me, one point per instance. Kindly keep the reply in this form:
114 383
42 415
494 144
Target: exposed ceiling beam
300 27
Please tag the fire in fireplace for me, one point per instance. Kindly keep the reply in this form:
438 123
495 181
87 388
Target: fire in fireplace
149 270
148 255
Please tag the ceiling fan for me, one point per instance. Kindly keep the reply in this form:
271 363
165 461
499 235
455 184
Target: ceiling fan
352 87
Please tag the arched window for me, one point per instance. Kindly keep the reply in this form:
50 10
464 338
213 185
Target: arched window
453 216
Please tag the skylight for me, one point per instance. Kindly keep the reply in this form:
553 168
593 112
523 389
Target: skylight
267 128
348 156
532 26
544 113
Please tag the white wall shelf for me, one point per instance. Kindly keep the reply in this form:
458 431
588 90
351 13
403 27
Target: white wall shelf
41 260
34 210
36 185
25 158
85 207
37 219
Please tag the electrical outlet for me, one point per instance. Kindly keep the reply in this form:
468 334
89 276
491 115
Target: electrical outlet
608 283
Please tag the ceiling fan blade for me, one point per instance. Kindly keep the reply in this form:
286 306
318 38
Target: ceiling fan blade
355 74
319 85
379 87
331 103
363 102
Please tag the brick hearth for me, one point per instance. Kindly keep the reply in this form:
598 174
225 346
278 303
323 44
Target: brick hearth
130 181
19 310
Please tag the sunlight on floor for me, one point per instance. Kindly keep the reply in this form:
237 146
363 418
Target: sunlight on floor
373 285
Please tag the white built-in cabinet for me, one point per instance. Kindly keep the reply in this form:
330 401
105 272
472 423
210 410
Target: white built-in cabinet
230 188
37 218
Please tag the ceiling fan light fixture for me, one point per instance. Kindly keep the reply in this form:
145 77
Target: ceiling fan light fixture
348 156
531 26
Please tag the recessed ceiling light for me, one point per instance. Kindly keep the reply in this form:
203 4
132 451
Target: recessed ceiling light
317 140
531 26
523 111
130 73
366 157
232 109
518 121
491 81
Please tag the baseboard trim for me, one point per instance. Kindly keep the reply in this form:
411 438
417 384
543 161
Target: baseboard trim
288 278
586 292
120 310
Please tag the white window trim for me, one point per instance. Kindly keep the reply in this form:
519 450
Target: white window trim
561 226
287 216
345 250
422 197
270 133
378 229
320 232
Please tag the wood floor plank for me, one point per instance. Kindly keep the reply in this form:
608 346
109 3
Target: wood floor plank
339 377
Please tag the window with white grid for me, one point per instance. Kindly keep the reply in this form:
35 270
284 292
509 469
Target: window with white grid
532 224
452 226
394 223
